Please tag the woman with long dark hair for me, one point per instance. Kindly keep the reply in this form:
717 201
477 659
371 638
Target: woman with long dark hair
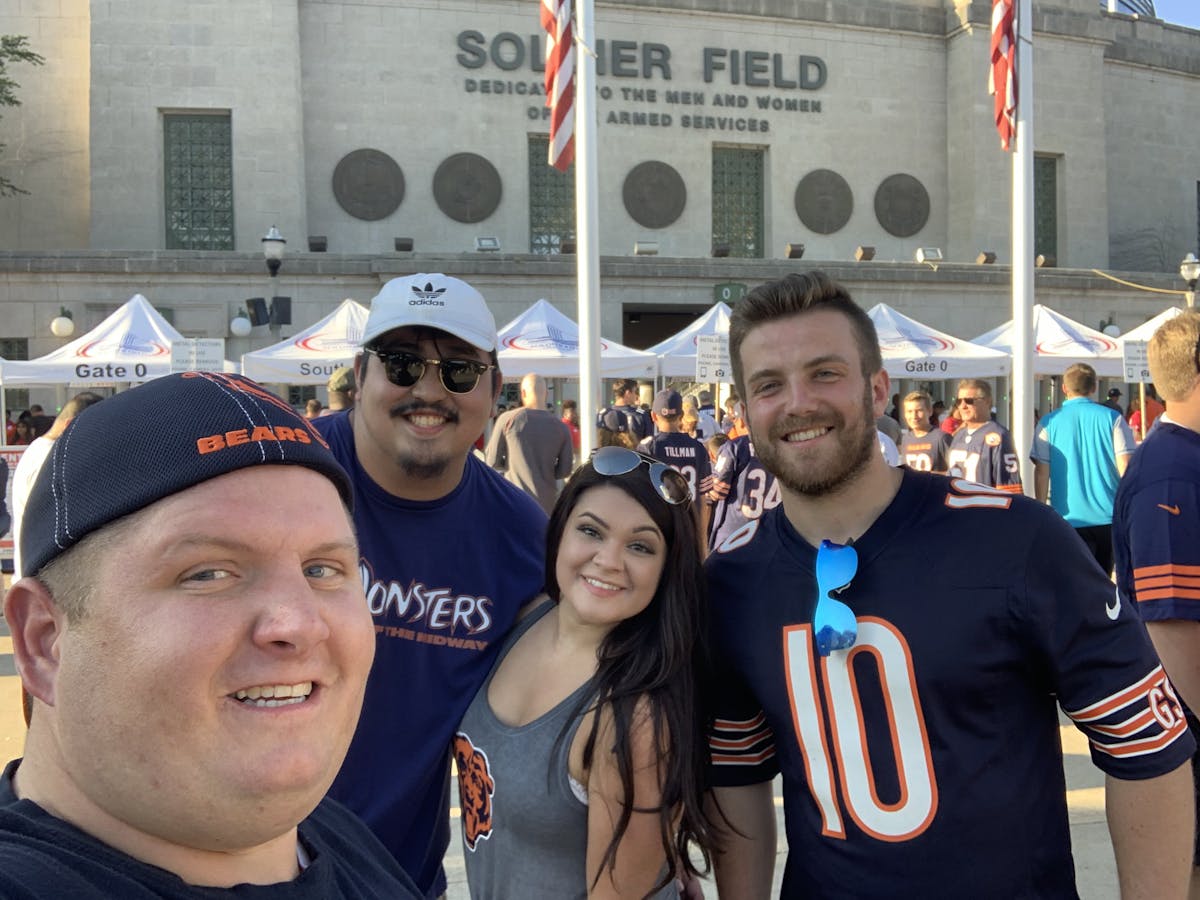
581 760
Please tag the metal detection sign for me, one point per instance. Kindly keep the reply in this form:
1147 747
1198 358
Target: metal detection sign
1137 365
199 355
712 359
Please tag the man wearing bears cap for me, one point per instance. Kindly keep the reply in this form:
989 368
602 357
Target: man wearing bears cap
192 634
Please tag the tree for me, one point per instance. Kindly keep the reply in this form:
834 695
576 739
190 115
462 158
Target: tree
14 48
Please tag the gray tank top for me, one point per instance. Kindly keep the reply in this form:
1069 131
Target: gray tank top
524 830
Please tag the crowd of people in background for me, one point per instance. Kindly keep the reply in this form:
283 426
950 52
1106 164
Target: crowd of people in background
602 660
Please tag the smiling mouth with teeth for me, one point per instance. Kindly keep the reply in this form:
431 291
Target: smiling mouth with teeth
271 695
603 585
426 421
796 437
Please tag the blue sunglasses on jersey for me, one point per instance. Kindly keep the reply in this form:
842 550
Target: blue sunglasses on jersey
834 625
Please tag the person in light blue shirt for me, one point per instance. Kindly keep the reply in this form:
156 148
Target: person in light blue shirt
1079 453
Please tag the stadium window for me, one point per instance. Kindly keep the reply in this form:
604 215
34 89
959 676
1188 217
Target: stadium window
551 200
14 348
737 200
198 175
1045 206
299 394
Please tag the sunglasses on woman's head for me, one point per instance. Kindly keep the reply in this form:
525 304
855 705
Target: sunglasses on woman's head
404 369
668 483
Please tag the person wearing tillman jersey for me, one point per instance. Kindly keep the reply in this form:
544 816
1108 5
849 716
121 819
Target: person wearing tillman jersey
679 451
923 447
742 491
1156 520
982 450
917 734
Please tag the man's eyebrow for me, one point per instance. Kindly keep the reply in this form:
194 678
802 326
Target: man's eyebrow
813 363
220 542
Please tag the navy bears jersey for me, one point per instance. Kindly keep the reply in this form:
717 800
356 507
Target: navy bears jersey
743 489
925 761
1156 525
927 453
685 453
986 456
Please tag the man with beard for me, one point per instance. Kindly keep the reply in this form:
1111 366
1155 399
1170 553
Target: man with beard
982 450
449 552
916 730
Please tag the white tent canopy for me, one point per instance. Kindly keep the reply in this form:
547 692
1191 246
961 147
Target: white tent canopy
311 356
133 344
1059 343
1146 330
545 341
677 354
914 350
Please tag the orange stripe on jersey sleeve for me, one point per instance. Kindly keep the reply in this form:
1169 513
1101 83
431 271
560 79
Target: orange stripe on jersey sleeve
1106 705
745 743
756 759
1144 746
1167 594
1168 569
1129 727
741 724
1010 488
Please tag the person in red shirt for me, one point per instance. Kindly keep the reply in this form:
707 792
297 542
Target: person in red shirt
571 419
1153 408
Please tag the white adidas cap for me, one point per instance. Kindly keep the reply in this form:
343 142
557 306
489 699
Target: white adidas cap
432 301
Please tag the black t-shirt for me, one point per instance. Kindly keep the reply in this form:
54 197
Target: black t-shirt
42 856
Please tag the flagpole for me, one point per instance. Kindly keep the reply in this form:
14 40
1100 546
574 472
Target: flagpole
1022 248
587 229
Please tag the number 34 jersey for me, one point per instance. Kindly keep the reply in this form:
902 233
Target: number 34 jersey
925 761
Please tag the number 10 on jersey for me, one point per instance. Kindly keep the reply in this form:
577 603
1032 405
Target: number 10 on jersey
828 717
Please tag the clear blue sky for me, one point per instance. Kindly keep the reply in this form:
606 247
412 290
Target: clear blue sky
1179 12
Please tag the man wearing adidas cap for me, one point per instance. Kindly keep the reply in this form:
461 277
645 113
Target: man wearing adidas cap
449 552
192 636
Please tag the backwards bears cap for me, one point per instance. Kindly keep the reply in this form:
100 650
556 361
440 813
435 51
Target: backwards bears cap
432 301
142 445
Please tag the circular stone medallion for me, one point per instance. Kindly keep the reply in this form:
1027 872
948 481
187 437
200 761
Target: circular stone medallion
824 201
654 194
902 205
466 187
368 184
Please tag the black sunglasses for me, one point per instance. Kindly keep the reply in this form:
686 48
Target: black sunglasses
668 483
404 369
961 400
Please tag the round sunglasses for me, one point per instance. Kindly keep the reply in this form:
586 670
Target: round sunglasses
404 369
668 483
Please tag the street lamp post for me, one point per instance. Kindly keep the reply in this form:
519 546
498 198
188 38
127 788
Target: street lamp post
1189 271
273 243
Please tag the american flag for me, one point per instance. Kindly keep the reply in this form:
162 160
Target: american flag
560 81
1002 80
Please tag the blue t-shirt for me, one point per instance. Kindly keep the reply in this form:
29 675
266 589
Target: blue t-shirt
925 761
1080 441
1156 525
444 580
